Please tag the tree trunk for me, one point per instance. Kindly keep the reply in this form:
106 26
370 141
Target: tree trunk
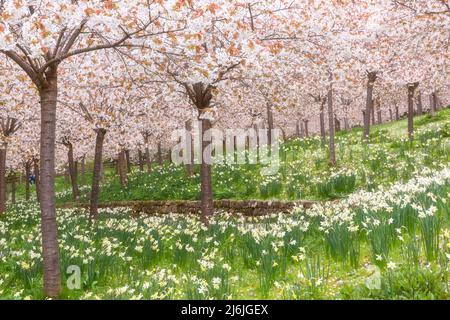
337 124
207 204
147 155
391 115
372 77
98 158
13 189
75 165
141 161
102 171
3 180
322 124
305 122
37 179
127 156
439 104
397 113
50 250
72 172
411 88
122 169
201 96
377 108
331 124
160 158
27 180
419 104
302 130
372 116
433 104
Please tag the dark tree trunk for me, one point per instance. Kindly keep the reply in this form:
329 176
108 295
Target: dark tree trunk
372 116
189 166
3 180
411 88
102 171
305 122
27 180
302 130
337 123
322 123
50 249
433 104
127 156
372 77
331 125
122 169
379 119
397 114
75 164
419 104
37 179
391 115
141 160
297 129
98 158
72 172
430 98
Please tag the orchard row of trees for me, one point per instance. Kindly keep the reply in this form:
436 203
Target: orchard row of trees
83 81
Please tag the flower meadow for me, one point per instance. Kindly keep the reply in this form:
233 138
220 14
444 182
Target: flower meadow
389 243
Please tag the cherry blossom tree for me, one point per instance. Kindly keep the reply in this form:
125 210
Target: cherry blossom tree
38 36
